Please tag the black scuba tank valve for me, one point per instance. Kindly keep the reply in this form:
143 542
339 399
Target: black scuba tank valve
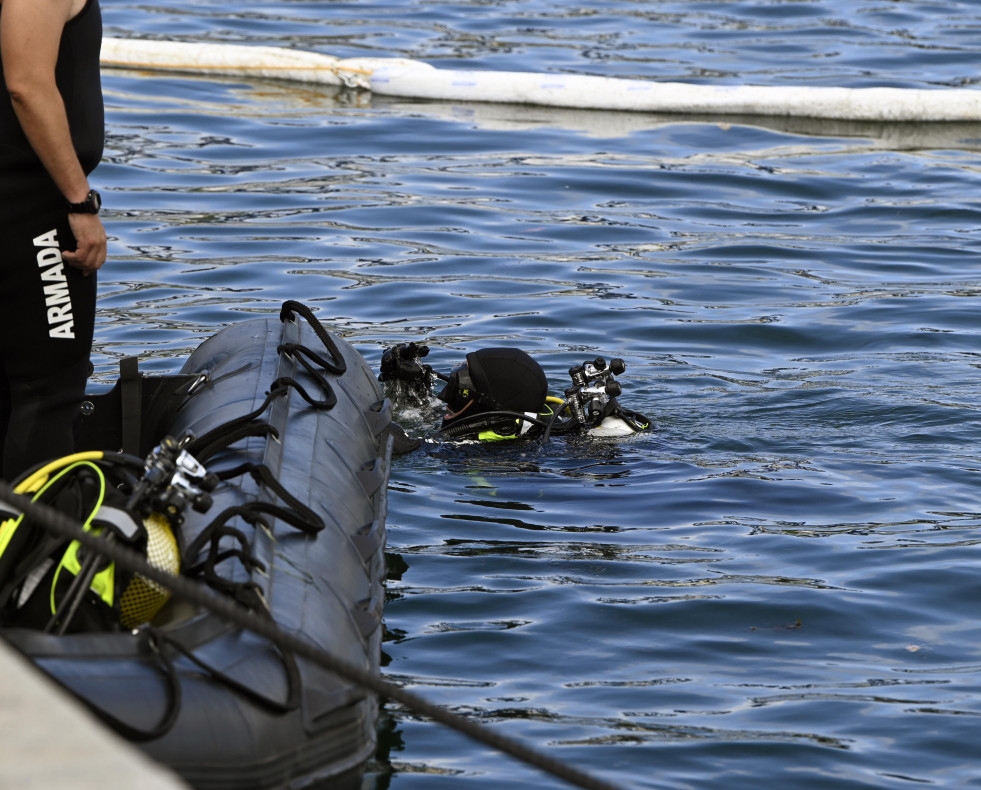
173 479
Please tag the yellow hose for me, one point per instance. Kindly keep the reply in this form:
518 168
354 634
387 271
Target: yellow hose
34 481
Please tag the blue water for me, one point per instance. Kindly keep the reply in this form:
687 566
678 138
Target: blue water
777 587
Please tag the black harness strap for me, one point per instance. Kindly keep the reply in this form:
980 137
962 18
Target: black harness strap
130 404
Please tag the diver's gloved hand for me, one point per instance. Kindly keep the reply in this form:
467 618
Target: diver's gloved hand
404 363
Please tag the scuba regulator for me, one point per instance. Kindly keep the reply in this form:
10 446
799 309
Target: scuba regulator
172 480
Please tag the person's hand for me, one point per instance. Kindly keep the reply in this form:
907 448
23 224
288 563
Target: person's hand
90 251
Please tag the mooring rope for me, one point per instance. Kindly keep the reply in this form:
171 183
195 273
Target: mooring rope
197 593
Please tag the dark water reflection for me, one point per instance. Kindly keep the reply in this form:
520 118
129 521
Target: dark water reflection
779 583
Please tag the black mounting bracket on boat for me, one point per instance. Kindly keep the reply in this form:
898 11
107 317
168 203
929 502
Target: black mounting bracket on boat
133 415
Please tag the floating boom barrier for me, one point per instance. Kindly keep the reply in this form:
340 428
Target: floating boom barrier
414 79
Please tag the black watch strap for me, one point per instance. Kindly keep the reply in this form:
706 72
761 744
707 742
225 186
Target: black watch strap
91 204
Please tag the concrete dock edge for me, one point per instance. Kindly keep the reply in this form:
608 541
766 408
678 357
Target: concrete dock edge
50 740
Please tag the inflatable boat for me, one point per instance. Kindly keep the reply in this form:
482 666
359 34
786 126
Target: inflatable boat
261 470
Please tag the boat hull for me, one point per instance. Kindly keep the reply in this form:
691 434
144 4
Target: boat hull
223 707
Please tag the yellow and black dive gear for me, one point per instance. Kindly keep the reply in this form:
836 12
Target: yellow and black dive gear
501 393
53 584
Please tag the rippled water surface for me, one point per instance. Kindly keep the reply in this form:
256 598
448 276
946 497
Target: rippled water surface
779 586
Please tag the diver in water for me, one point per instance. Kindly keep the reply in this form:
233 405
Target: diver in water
502 393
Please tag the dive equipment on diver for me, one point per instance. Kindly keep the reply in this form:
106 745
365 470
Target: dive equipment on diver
501 393
404 363
593 386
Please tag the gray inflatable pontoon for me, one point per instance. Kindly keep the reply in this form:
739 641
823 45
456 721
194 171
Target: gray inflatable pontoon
293 422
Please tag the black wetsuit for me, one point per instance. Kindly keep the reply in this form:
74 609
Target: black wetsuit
47 308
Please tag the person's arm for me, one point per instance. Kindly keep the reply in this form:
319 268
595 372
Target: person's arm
30 35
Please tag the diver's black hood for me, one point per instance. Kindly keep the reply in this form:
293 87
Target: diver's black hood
507 379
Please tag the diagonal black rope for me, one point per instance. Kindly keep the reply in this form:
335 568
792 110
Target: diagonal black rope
197 593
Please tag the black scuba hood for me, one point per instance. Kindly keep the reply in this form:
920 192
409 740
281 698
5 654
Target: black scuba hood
500 379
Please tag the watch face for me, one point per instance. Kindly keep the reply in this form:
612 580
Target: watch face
91 204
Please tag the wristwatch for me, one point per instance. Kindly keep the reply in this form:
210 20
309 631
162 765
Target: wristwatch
91 204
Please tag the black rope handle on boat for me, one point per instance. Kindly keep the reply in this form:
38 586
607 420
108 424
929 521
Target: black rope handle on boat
308 357
243 617
248 594
292 701
296 513
157 641
279 386
173 709
338 366
206 445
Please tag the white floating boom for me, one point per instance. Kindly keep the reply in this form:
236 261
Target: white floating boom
415 79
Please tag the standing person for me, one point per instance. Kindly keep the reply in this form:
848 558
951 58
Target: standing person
52 131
